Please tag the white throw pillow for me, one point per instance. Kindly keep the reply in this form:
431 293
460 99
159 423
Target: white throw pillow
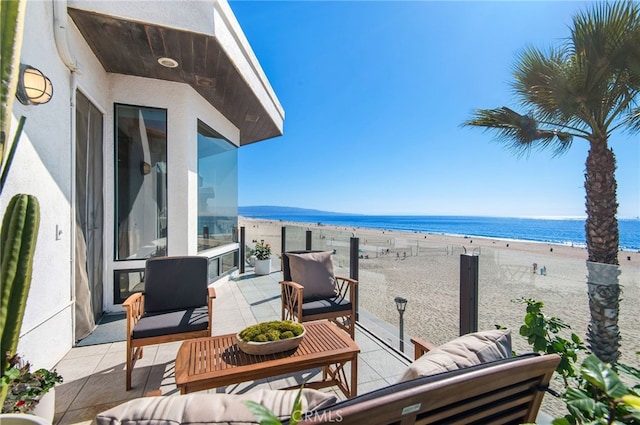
467 350
200 408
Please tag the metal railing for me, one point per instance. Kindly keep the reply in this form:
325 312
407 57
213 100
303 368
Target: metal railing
377 302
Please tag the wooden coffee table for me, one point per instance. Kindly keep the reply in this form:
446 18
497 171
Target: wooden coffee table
217 361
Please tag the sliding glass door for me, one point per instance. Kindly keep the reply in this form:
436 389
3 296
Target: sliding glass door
89 205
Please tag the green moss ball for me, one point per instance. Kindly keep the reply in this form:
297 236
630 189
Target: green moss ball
271 331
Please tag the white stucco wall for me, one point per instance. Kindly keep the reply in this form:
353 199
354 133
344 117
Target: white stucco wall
44 166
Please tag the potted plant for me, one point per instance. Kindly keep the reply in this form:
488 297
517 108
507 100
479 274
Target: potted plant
27 391
263 258
270 337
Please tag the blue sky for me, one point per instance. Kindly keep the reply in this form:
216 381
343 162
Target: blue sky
374 94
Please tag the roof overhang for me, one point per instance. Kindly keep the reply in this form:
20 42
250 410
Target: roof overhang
205 39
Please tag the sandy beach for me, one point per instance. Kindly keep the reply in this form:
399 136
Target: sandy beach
425 269
430 281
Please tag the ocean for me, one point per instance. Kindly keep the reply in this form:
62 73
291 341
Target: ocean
556 231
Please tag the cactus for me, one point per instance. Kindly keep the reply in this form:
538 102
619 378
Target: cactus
22 217
18 241
11 27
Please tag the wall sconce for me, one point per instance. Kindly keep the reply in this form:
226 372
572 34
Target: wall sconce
145 168
33 87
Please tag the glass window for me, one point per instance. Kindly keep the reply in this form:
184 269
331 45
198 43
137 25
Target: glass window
217 189
229 262
126 283
141 182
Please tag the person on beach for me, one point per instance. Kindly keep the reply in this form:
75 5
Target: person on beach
535 268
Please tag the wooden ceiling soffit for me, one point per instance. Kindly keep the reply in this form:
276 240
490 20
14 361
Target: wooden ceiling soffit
133 48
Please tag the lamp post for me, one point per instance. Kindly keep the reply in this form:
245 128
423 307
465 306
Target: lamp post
401 305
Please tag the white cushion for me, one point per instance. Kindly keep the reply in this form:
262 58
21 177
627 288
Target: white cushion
314 271
201 408
467 350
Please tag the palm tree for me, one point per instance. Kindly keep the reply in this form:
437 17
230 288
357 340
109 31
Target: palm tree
586 89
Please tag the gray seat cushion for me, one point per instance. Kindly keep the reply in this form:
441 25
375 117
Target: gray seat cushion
172 322
313 307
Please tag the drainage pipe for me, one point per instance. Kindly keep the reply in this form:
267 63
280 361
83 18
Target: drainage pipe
60 23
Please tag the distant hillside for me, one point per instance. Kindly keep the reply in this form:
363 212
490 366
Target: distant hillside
270 211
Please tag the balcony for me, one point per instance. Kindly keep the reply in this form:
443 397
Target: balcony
427 273
94 375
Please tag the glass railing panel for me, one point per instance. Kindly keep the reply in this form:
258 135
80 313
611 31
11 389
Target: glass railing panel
267 231
557 276
558 279
337 241
426 273
600 278
391 264
296 237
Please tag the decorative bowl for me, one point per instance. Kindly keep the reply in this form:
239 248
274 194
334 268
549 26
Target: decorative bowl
270 347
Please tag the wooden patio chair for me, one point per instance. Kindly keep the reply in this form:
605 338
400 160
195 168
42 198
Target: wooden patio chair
177 304
311 291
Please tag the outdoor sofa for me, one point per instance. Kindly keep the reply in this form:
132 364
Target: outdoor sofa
472 379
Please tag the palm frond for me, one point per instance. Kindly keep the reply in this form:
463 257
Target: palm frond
633 120
605 42
520 133
551 85
535 74
586 87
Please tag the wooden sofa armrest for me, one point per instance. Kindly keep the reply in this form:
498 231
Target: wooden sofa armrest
134 307
421 347
291 297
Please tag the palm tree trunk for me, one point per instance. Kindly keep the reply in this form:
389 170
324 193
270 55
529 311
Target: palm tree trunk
603 335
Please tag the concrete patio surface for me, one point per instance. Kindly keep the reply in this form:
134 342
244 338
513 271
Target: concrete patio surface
94 375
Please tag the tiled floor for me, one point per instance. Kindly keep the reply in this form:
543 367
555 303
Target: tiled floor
94 376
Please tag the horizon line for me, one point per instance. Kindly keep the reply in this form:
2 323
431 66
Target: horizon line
536 217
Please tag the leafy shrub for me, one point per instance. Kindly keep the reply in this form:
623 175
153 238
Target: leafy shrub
542 331
593 392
